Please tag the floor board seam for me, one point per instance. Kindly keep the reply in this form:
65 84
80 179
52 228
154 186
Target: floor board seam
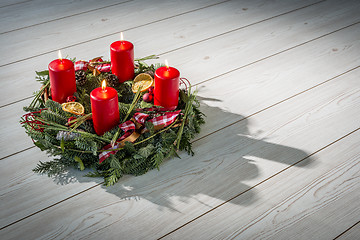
23 150
17 101
12 4
246 117
50 206
326 81
233 70
259 183
240 28
110 34
279 102
275 54
346 230
72 15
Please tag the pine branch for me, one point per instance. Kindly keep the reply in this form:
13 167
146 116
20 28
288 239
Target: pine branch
51 168
112 176
78 146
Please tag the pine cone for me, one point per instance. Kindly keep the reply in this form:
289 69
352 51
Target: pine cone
151 73
67 136
80 77
112 80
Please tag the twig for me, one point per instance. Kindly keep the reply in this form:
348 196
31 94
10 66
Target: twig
131 108
79 121
191 98
163 130
38 95
58 127
146 58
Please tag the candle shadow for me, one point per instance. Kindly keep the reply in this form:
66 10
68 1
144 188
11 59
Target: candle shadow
218 171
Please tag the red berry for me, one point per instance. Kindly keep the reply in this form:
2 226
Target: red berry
148 97
151 89
71 98
69 120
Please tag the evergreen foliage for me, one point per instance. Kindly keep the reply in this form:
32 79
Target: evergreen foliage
79 146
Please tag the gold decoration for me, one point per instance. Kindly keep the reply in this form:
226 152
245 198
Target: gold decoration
73 107
143 80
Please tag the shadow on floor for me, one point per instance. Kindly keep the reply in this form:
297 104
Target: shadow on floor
216 172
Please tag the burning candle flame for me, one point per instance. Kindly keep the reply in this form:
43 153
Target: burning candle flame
166 64
103 85
60 56
121 36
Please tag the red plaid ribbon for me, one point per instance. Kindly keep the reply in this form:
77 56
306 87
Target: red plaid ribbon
166 119
129 127
104 67
83 65
155 109
140 117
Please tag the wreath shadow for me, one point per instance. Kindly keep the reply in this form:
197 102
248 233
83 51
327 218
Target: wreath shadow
180 181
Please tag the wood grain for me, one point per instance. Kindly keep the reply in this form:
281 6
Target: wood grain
24 190
323 56
185 188
319 205
90 26
251 94
278 157
8 3
26 14
165 41
351 233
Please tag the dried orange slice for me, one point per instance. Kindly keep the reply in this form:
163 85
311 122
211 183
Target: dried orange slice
142 81
73 107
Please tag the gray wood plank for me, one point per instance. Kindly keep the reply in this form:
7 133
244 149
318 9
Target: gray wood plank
166 40
252 93
251 151
316 202
17 172
9 3
84 27
159 198
28 13
351 234
339 52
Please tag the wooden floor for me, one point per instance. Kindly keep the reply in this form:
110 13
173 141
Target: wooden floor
278 157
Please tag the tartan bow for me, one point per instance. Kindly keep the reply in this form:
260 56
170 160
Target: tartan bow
130 127
94 63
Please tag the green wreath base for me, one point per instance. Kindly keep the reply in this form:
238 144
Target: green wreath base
78 146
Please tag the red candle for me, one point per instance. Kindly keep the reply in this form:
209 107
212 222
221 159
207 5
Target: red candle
62 79
122 59
104 108
166 92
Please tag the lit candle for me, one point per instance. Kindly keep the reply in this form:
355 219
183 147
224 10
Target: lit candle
104 108
122 59
166 92
62 79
